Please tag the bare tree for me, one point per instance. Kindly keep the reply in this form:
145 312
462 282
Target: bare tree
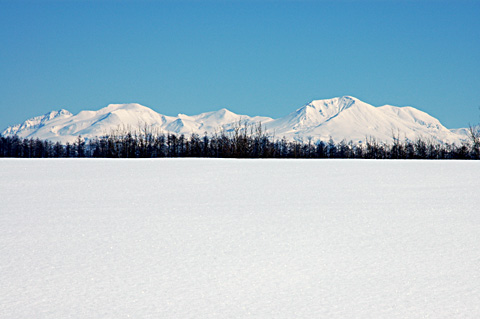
474 132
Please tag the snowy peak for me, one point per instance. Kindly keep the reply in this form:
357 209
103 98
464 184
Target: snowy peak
182 126
59 113
317 112
351 119
332 107
37 122
339 118
129 108
222 115
66 127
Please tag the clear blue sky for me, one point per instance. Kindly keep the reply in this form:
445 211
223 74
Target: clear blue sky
252 57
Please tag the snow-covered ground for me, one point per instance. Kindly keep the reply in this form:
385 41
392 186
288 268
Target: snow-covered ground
211 238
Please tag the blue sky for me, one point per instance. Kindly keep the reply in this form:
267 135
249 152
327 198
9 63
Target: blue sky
252 57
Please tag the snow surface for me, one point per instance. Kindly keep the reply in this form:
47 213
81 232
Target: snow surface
212 238
340 118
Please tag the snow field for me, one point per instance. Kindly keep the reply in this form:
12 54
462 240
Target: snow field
212 238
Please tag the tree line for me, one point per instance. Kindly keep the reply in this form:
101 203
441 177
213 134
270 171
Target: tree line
240 142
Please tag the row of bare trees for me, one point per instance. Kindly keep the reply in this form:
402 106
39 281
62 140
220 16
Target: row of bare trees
243 141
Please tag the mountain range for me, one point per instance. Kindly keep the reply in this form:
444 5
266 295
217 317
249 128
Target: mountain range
337 118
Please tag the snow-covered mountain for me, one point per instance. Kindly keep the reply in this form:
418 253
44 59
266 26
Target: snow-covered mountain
351 119
339 118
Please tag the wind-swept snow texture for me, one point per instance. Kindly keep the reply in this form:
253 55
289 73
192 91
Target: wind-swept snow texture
210 238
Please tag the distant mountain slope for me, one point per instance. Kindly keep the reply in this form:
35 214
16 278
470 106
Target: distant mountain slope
351 119
31 126
339 118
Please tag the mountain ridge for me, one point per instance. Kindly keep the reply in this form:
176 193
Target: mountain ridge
339 118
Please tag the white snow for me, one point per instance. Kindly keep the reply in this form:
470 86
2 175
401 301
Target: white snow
340 118
211 238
